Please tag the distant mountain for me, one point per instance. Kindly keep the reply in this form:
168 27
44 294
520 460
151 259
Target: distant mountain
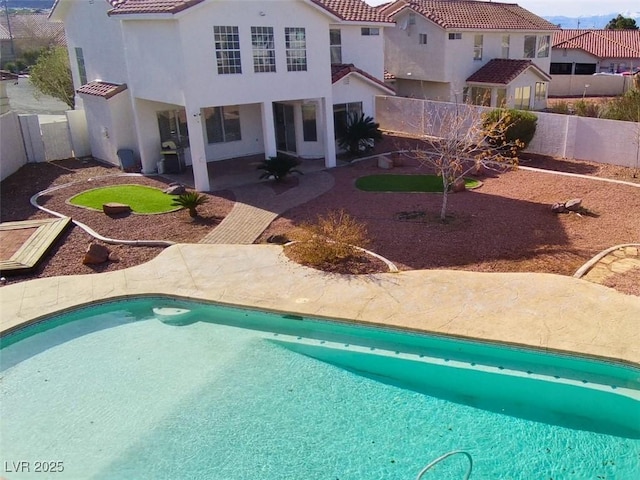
595 21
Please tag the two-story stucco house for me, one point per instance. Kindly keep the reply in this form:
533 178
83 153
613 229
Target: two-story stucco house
222 78
486 53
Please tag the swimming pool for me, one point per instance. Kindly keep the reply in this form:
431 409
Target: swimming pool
161 388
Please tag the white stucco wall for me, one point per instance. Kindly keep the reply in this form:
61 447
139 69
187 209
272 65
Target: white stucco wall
87 26
12 153
364 51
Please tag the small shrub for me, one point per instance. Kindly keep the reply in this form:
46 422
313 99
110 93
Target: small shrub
509 128
11 67
587 109
330 240
561 107
625 108
190 201
360 134
279 167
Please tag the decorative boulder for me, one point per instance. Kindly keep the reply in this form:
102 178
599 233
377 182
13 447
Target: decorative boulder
459 186
96 254
175 190
114 208
573 205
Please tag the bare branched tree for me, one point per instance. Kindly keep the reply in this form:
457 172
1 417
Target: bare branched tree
459 139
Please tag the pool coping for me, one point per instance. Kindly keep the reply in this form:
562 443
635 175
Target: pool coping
540 311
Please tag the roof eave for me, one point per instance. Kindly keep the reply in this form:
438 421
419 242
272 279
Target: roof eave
378 84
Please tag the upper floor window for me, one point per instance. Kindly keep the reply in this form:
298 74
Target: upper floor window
455 36
543 45
412 18
227 41
506 39
369 31
222 123
529 46
422 38
81 69
264 53
477 47
335 45
296 45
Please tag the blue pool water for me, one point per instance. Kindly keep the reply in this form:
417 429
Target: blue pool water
155 388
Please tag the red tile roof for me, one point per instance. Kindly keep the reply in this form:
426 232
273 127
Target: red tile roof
102 89
471 14
34 25
600 43
349 10
150 6
341 70
503 71
6 75
352 10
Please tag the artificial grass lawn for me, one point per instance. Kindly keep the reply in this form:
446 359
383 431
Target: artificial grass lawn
406 183
140 198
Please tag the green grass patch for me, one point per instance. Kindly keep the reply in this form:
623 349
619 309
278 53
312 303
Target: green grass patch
406 183
140 198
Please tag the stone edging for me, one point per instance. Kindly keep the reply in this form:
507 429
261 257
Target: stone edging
591 263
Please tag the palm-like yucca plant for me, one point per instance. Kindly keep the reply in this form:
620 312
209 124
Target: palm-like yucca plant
279 167
190 201
360 134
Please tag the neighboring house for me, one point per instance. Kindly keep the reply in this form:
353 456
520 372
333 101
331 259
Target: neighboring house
585 52
222 78
486 53
29 31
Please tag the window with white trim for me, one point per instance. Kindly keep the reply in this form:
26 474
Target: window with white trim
543 46
335 45
529 46
478 40
296 49
227 41
264 50
222 123
506 40
341 112
455 36
422 38
369 31
541 91
173 126
522 98
82 72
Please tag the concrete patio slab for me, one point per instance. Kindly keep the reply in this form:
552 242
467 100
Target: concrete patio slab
537 310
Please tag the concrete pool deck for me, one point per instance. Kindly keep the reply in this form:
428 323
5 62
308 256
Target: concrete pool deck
539 310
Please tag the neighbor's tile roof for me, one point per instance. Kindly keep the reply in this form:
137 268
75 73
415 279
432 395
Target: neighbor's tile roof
503 71
600 43
470 14
150 6
102 89
341 70
34 25
6 75
349 10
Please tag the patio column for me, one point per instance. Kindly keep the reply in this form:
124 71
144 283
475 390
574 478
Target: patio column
268 130
326 107
198 154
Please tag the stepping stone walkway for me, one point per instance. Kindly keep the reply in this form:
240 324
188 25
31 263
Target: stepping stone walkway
257 205
618 261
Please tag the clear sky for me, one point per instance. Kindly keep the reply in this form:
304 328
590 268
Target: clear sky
567 8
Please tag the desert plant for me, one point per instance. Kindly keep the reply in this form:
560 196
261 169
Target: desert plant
509 128
279 167
332 239
190 201
625 107
587 109
360 134
561 107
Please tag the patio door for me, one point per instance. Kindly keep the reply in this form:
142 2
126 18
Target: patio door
285 127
